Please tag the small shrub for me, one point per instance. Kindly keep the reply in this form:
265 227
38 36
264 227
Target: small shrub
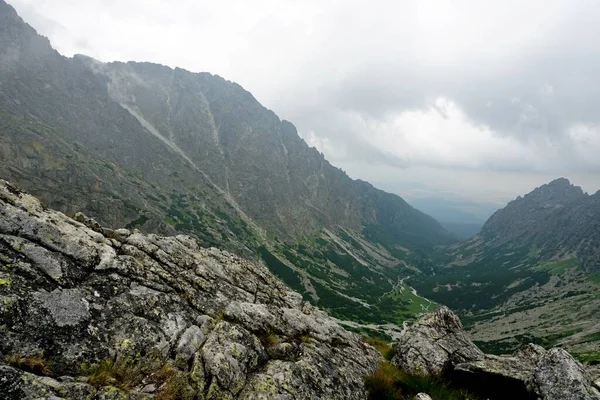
305 338
382 346
175 387
268 339
34 364
383 384
390 383
124 373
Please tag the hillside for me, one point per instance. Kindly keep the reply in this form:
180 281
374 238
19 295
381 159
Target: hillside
170 151
532 274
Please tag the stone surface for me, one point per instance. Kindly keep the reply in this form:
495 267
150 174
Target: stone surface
433 343
559 376
74 299
531 371
437 344
422 396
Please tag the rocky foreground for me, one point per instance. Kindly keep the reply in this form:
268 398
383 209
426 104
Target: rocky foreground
93 313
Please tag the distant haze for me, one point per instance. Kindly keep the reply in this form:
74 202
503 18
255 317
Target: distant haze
480 101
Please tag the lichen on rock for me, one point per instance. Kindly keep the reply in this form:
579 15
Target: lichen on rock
134 316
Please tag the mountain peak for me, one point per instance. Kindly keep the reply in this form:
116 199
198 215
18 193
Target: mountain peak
559 191
532 209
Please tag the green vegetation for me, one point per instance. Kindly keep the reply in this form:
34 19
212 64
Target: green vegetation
558 267
35 364
282 271
402 304
588 357
483 284
127 373
594 277
390 383
141 220
382 346
592 337
509 345
268 339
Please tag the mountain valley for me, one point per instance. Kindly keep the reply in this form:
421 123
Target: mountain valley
193 221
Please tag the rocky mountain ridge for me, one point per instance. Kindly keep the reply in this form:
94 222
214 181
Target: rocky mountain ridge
169 151
84 315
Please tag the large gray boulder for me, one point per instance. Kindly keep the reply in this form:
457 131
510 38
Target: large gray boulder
438 344
531 371
83 315
434 343
560 376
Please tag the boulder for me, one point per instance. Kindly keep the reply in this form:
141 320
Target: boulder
435 343
438 344
560 376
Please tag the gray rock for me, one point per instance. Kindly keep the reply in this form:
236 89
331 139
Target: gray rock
422 396
560 376
89 222
436 342
224 325
67 307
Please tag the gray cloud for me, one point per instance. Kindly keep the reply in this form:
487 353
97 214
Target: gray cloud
386 89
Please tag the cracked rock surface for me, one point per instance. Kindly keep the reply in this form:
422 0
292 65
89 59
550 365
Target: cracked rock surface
433 342
438 344
73 299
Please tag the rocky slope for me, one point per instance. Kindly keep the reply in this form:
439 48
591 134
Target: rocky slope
531 275
437 344
169 151
95 313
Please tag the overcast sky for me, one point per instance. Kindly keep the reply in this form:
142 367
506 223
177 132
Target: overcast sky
480 99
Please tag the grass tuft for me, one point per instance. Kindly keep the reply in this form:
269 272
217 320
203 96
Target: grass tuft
128 373
386 350
34 364
390 383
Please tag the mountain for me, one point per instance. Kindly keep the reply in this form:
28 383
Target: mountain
532 274
169 151
133 316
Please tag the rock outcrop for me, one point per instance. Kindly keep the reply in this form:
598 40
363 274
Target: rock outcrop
83 315
437 344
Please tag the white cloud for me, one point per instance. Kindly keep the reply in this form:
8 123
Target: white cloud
413 85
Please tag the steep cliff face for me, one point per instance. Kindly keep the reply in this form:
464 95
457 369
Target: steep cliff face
84 313
169 151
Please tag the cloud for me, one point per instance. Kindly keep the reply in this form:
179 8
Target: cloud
415 85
